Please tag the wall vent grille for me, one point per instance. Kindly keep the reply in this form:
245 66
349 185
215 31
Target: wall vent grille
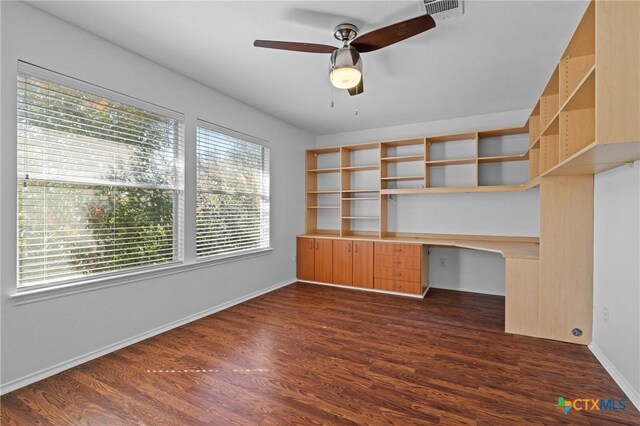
443 9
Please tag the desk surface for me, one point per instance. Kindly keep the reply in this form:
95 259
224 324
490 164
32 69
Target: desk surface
508 247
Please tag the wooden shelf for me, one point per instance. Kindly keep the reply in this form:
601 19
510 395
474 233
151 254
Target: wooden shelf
323 207
361 168
504 158
337 191
325 170
553 127
401 178
403 159
406 142
327 150
450 138
325 232
362 199
596 158
361 217
454 162
583 97
354 191
504 132
455 189
361 147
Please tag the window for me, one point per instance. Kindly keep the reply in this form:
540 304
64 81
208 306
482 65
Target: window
100 181
232 193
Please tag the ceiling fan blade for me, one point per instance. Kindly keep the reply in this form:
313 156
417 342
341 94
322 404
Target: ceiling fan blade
393 33
297 47
358 89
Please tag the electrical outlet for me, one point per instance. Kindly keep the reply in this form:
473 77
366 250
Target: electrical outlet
606 314
443 262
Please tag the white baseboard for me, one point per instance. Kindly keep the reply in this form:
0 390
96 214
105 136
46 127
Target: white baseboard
632 394
467 290
55 369
370 290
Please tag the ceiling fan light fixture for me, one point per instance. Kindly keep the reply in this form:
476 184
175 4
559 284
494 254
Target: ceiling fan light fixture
345 78
345 71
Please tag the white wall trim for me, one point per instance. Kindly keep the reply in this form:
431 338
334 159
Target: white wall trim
53 291
467 290
370 290
55 369
632 394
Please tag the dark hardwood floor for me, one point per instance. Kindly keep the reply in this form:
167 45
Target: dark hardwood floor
309 354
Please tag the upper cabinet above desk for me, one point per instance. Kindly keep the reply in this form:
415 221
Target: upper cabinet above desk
588 117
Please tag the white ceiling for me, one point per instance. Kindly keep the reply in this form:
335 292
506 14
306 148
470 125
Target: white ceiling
496 57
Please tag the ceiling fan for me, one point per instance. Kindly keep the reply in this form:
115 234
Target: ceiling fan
346 66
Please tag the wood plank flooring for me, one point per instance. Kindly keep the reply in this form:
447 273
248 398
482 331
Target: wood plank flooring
310 354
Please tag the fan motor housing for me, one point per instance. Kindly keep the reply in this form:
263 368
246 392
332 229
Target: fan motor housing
345 32
346 57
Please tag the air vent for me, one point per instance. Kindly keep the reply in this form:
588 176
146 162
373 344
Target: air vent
443 9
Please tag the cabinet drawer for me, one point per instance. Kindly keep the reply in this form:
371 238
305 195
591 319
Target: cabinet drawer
396 273
399 286
401 262
388 249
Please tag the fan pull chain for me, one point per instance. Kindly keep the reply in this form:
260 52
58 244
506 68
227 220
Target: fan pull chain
331 88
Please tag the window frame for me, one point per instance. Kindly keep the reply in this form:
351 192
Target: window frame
179 195
200 123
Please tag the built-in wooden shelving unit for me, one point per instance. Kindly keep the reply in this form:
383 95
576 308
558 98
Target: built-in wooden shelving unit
356 203
563 138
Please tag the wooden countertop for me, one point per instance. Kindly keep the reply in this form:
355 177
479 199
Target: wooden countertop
508 247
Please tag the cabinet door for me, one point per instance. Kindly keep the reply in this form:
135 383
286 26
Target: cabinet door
363 264
342 261
305 259
323 260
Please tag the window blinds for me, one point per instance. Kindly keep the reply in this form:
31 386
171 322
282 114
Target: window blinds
100 181
232 194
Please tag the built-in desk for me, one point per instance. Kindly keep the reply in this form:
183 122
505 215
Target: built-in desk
508 247
521 267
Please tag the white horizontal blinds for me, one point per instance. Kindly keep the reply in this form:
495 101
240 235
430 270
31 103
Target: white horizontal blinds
233 194
99 182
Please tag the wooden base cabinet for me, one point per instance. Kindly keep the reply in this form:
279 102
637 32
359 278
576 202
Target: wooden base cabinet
363 264
342 262
305 260
401 268
353 263
522 300
323 260
314 259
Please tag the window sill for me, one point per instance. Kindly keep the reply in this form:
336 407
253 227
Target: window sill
29 296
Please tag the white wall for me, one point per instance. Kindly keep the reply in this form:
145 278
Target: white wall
616 274
508 213
43 334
